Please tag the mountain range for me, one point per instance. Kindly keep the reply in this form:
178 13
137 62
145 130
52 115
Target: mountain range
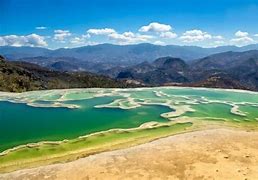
223 70
109 65
120 54
22 76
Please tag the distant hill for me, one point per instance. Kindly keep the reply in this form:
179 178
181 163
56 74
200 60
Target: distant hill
225 60
22 76
224 70
69 64
12 53
161 71
58 63
64 66
120 55
239 66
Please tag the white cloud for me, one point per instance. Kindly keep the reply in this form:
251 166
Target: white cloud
124 38
77 40
169 35
32 40
60 35
241 34
92 43
195 36
242 38
217 43
161 43
129 38
86 35
2 41
155 27
256 35
41 27
104 31
219 37
80 40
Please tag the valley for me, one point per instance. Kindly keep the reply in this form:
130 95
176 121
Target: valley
229 70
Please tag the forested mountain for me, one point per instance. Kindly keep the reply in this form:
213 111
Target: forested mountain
23 76
120 55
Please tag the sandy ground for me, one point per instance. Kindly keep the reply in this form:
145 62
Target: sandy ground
209 154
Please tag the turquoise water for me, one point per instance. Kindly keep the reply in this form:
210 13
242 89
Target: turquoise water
215 94
20 124
216 111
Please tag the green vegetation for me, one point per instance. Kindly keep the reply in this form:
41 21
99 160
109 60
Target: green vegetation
21 77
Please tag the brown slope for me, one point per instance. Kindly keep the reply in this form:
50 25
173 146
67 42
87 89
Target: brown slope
21 76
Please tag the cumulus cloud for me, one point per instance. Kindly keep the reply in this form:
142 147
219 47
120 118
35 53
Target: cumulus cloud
161 43
86 35
80 40
242 38
155 27
219 37
77 40
104 31
195 36
129 37
256 35
32 40
41 27
61 35
241 34
169 35
2 41
217 43
124 38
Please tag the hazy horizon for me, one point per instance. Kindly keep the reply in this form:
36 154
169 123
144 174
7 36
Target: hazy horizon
132 45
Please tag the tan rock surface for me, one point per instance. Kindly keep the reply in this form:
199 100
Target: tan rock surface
209 154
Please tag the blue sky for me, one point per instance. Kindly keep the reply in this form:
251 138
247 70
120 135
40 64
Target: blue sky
73 23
